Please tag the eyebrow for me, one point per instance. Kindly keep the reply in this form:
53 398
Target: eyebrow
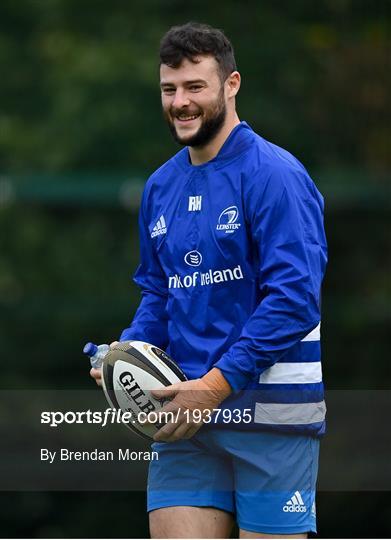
187 83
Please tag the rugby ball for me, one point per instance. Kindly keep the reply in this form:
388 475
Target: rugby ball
130 370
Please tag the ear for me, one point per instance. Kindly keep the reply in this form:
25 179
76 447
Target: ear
233 84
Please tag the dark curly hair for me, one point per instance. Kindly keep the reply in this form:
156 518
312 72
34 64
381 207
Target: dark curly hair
193 39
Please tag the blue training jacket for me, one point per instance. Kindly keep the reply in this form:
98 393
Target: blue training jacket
233 253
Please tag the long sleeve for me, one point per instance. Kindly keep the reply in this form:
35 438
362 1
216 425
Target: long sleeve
150 321
285 218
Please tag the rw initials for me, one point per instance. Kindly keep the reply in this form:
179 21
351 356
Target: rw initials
195 203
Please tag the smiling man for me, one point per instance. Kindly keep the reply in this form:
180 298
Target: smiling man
233 253
195 104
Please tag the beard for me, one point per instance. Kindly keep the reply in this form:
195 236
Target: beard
210 126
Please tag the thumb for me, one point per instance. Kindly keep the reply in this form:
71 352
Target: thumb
168 391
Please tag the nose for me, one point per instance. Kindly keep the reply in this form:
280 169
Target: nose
180 99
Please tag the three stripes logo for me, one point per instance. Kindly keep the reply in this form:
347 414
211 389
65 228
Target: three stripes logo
159 228
295 504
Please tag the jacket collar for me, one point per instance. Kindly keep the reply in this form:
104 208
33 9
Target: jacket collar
237 142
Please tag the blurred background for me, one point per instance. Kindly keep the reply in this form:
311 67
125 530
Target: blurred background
80 131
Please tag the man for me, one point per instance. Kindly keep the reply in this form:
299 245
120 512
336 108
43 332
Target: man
232 257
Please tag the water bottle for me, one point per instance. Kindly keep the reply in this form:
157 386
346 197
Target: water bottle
96 353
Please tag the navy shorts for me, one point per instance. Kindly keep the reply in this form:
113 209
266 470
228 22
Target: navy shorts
266 480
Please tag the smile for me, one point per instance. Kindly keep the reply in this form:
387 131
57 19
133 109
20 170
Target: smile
186 118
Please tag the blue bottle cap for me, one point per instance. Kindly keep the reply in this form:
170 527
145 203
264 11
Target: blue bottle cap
90 349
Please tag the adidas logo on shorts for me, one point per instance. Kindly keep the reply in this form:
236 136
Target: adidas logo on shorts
295 504
159 228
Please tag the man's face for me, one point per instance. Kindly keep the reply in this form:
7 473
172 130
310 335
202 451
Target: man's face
193 100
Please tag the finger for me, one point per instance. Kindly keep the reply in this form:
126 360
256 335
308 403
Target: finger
96 373
164 414
180 432
170 407
166 431
113 344
163 435
168 391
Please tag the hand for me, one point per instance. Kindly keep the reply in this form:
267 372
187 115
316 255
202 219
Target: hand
203 395
96 374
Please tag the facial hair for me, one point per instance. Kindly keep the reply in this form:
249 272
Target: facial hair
209 128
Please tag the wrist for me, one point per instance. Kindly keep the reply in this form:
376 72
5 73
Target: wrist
217 383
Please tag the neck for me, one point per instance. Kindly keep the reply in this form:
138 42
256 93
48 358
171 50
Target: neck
205 153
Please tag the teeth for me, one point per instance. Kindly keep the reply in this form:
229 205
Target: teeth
185 117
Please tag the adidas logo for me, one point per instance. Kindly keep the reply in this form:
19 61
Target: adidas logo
295 504
159 228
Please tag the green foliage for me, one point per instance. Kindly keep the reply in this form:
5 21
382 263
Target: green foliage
80 80
64 280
